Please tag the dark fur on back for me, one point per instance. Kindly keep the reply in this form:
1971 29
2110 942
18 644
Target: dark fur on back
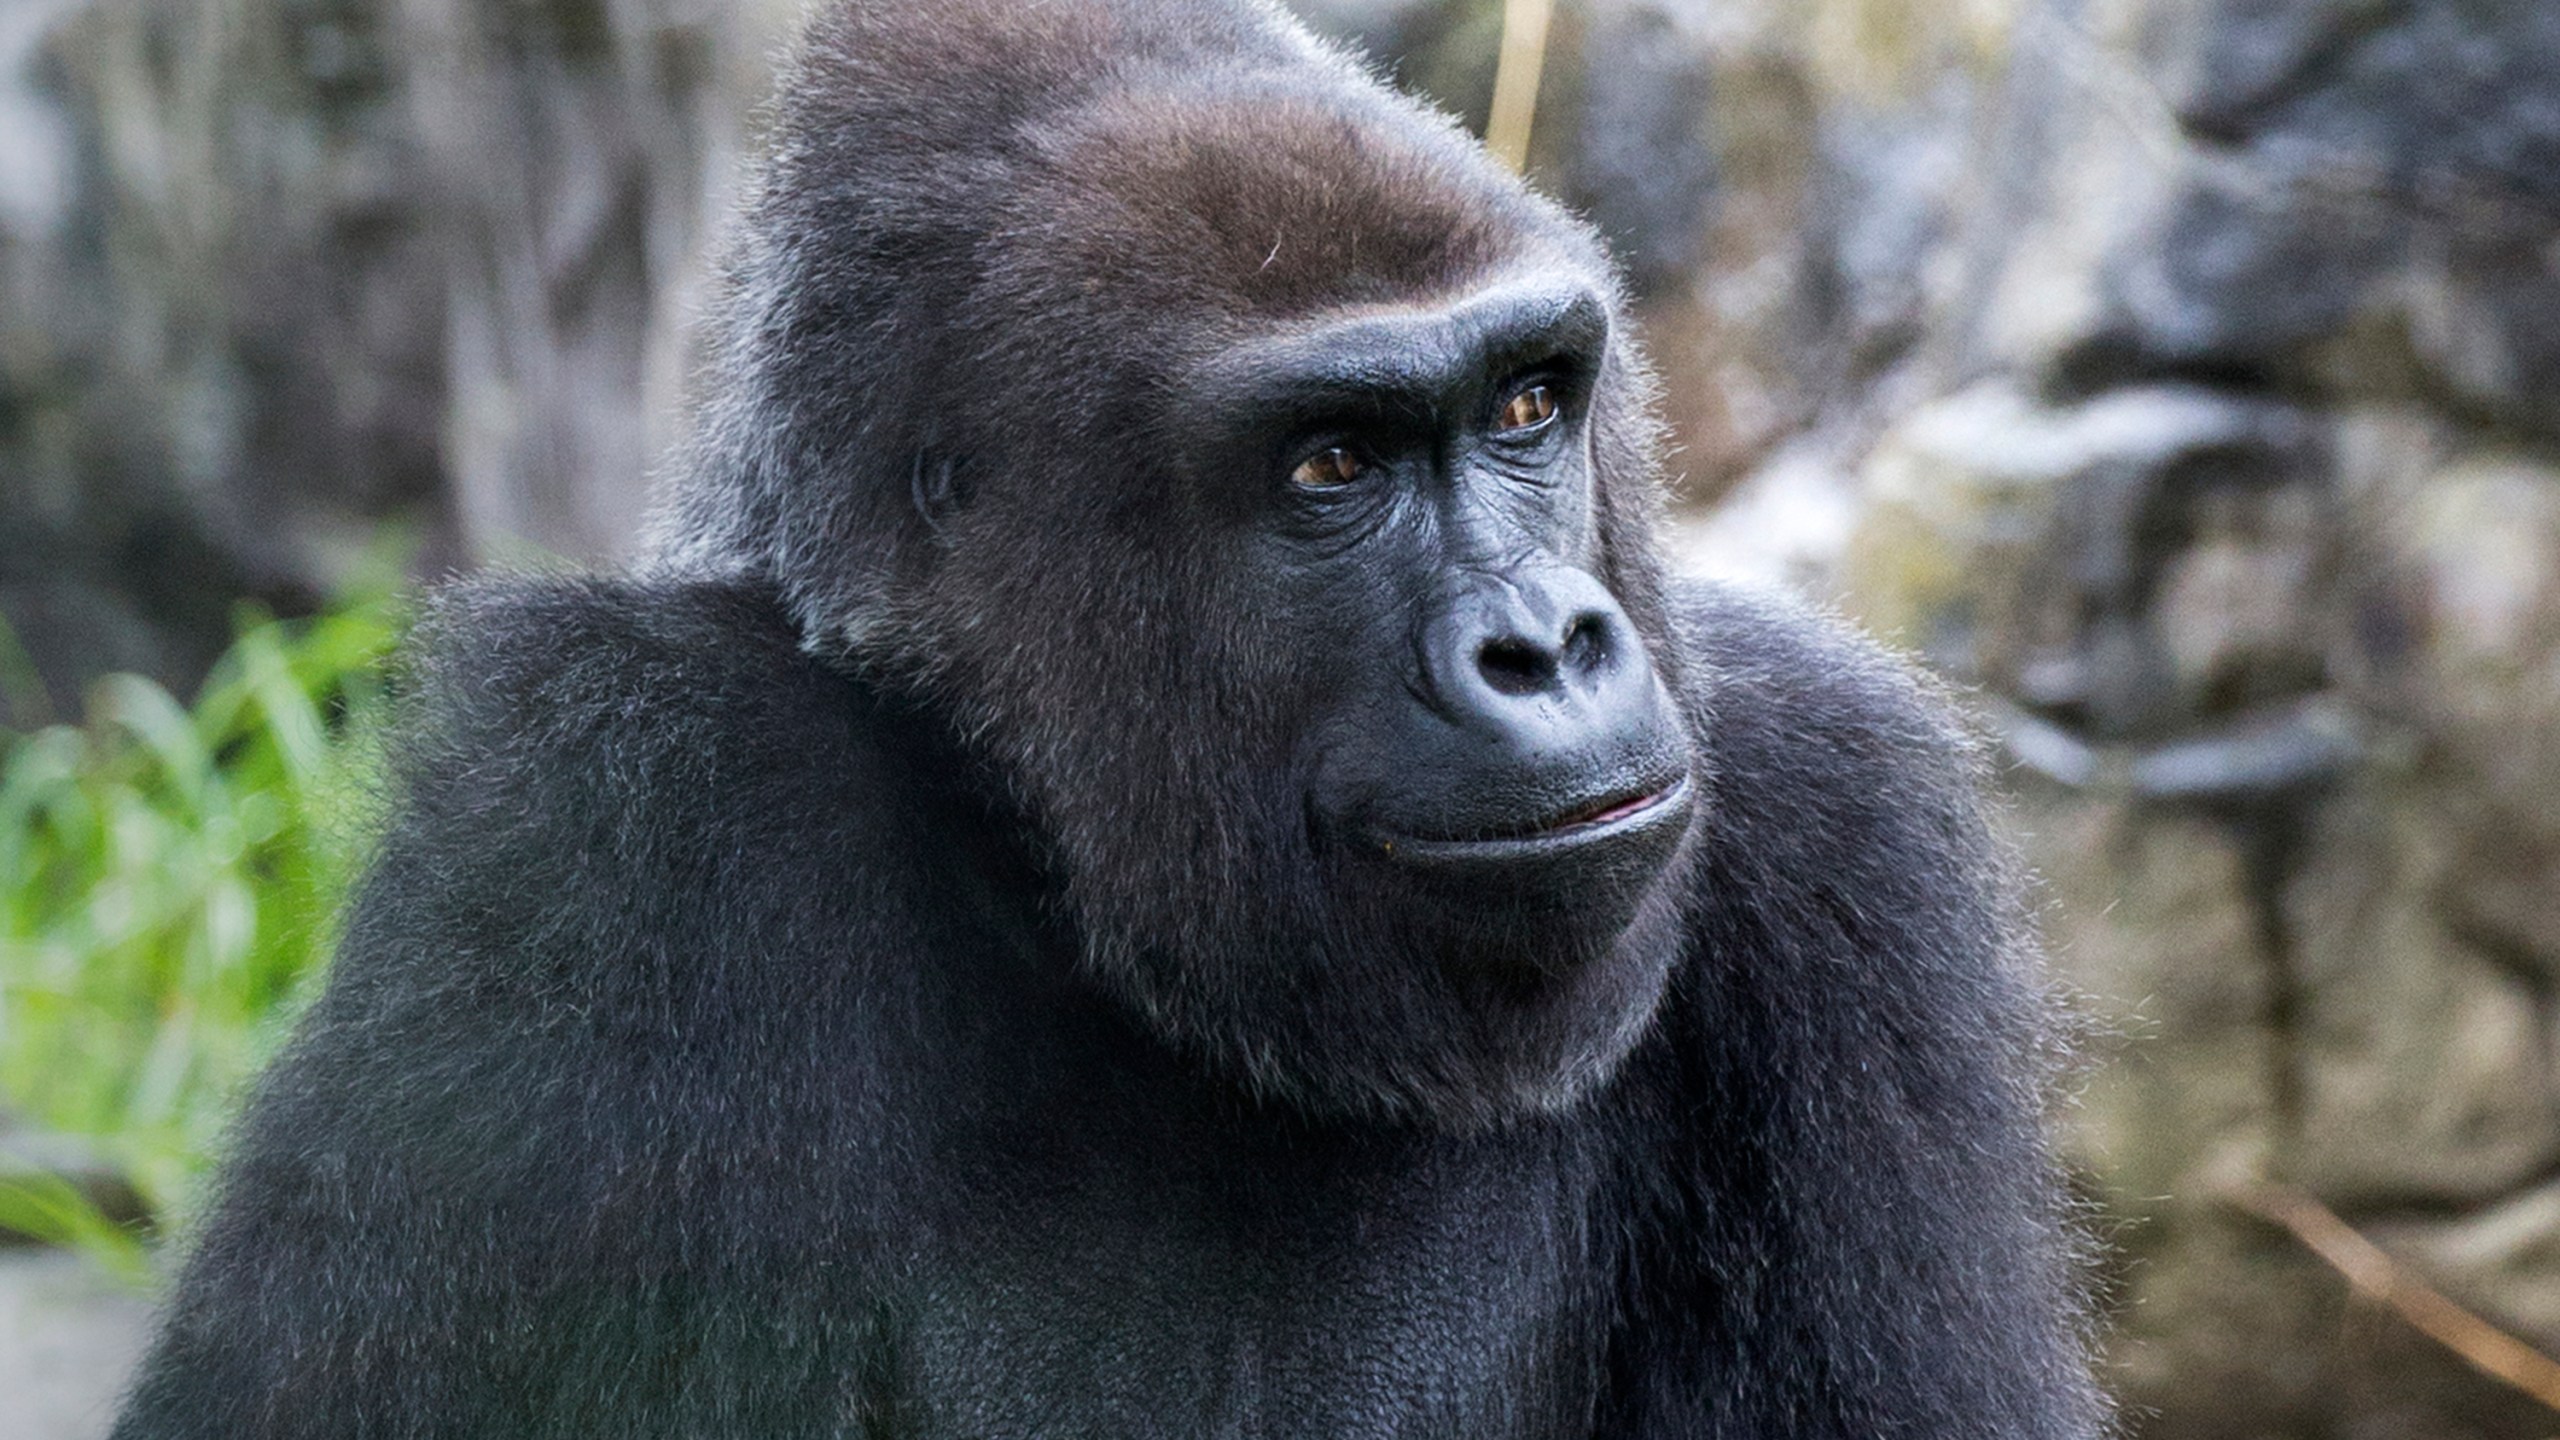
867 975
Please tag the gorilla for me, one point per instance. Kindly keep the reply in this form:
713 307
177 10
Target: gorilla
1152 851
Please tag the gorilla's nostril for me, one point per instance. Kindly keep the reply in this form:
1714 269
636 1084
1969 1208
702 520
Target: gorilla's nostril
1586 645
1513 666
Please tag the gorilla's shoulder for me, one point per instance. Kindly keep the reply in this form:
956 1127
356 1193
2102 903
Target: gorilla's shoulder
524 689
1766 669
541 618
553 661
589 749
627 813
1836 765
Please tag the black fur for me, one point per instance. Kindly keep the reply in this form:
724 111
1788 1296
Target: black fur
869 975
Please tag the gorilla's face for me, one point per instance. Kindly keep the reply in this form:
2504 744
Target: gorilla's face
1490 734
1290 497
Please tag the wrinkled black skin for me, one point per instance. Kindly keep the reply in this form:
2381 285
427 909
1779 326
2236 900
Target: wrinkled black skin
940 953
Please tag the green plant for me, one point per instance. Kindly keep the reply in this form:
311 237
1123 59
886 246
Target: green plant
169 881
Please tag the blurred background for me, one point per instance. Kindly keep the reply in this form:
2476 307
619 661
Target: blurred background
2180 376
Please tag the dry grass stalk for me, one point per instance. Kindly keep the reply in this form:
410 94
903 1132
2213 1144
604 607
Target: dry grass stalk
1515 79
2378 1277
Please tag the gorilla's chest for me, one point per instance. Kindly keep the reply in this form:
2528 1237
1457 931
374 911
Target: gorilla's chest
1115 1338
1231 1289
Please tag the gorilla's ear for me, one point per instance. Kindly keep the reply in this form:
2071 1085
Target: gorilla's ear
939 486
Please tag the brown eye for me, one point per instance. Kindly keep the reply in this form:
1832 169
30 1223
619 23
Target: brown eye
1528 410
1327 468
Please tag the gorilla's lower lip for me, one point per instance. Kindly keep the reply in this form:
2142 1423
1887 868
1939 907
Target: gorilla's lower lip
1595 823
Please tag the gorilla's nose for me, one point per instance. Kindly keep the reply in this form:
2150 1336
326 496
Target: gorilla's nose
1520 661
1545 661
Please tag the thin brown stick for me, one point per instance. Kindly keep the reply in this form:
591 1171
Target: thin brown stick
1515 79
2375 1275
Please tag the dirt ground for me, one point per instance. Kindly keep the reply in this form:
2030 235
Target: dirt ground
69 1335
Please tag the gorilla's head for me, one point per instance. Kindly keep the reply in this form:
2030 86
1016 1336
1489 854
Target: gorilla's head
1262 480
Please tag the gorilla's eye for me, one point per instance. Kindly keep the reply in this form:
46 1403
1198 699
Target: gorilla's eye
1532 407
1327 468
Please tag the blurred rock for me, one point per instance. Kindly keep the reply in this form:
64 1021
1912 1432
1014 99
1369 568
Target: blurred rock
2423 1066
278 273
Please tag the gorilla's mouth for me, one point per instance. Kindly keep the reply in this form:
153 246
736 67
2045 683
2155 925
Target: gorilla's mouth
1617 816
1602 812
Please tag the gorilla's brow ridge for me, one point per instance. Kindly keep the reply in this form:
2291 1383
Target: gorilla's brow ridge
1415 353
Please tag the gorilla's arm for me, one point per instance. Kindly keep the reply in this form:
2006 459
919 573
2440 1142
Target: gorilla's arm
548 1155
1858 1219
